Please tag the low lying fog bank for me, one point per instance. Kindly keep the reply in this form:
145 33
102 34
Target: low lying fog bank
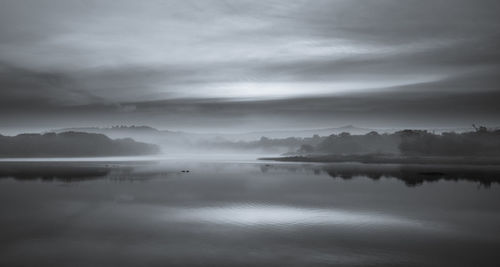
143 140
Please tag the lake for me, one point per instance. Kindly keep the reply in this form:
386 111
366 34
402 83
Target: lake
247 213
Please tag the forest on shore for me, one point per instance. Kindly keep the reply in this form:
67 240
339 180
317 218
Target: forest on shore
71 144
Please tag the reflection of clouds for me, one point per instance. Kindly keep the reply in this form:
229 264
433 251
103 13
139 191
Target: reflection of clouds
281 215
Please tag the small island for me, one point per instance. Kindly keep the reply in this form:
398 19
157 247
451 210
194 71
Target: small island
71 144
479 147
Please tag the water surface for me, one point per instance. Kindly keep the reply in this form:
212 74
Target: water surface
239 213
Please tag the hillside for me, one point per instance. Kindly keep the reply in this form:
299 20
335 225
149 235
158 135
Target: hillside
71 144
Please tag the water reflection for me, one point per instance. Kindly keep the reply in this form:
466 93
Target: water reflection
52 172
284 216
243 214
411 175
81 171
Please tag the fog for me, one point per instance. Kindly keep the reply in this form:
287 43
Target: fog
478 146
249 133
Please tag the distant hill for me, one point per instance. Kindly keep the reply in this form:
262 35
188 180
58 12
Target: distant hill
115 131
71 144
304 133
187 142
172 141
139 133
150 134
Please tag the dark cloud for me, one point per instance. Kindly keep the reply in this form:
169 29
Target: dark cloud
25 89
213 64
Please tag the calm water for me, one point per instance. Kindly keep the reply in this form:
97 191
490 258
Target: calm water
247 213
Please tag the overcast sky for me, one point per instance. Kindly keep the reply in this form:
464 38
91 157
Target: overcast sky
249 65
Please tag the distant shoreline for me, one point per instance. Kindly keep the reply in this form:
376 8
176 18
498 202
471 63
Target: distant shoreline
384 159
71 144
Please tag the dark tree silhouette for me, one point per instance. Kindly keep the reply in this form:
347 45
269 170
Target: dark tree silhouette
71 144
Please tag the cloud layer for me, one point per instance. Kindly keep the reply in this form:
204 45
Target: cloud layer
210 64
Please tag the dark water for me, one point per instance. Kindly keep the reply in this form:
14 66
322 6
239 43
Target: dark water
247 213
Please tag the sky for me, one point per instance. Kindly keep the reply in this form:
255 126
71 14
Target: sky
234 66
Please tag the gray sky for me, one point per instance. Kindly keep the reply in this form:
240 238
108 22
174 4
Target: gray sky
247 65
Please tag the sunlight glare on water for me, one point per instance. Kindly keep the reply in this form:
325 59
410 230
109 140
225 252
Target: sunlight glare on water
269 215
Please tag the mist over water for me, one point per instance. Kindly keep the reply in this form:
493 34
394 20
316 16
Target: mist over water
241 212
249 133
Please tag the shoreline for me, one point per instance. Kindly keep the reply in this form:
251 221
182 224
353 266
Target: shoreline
379 159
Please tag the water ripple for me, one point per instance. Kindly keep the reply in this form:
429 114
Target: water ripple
282 215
